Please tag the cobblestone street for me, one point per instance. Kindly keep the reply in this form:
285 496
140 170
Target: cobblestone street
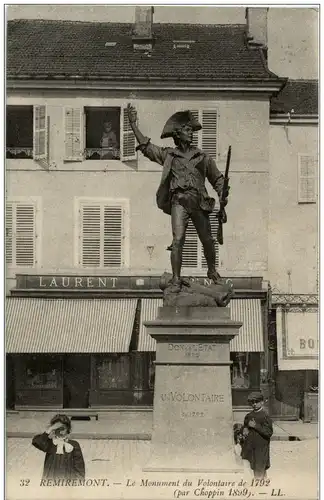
293 470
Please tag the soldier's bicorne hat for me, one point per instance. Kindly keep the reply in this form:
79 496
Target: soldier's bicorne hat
178 120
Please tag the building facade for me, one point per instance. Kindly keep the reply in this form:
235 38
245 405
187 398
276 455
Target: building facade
86 244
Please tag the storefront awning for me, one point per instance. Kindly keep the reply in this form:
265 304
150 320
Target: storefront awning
248 311
298 338
69 325
149 312
250 337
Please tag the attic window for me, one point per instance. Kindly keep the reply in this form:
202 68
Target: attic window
183 44
110 44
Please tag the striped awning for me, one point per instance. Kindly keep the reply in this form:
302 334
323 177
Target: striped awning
149 312
250 337
248 311
69 325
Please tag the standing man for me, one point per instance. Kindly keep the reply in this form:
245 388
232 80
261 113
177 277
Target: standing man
182 192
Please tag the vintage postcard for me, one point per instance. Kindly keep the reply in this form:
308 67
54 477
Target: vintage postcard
161 252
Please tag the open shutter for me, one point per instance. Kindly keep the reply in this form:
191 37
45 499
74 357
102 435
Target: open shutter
195 139
73 134
40 133
90 251
127 143
209 132
307 178
9 229
25 235
113 236
190 249
214 226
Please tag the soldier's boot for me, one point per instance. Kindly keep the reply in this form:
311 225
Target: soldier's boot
214 276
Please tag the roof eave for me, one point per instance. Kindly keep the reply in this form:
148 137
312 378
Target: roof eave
295 119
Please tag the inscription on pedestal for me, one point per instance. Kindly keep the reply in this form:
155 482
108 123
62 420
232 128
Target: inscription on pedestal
197 352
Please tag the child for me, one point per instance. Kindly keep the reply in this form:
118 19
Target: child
257 431
64 459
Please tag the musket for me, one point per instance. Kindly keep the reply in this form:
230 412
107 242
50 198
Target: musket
222 217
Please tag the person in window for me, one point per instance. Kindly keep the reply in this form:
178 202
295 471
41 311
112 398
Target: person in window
257 432
108 142
64 458
182 193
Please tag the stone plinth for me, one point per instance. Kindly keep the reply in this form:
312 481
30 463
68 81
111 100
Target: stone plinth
192 413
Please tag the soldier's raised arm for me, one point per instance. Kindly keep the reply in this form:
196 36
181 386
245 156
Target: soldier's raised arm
151 151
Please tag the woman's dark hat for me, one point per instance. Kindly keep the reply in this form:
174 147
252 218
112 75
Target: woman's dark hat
255 396
178 120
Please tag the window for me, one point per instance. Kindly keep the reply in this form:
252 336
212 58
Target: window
206 139
240 377
21 234
307 178
26 129
98 133
102 234
42 372
113 371
193 254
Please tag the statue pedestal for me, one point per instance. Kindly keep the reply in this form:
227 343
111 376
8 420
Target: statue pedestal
192 413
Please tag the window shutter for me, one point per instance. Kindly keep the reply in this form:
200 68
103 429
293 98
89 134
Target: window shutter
90 236
214 226
195 139
128 143
209 132
190 248
102 235
40 133
73 134
9 228
21 234
307 178
113 236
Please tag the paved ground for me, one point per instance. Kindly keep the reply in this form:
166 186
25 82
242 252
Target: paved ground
126 425
293 472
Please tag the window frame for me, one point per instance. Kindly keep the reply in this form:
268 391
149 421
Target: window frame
37 202
300 199
31 157
101 201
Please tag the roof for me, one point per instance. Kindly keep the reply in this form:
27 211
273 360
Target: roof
66 49
299 95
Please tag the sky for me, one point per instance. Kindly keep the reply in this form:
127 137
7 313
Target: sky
125 13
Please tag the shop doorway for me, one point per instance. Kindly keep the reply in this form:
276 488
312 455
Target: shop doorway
76 380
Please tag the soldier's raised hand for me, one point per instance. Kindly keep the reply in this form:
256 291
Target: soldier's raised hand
131 113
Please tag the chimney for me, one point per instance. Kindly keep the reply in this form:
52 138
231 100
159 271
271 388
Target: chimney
143 29
257 27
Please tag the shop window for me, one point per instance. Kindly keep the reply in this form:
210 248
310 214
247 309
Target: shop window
193 254
113 371
42 372
98 133
240 370
21 236
27 132
102 238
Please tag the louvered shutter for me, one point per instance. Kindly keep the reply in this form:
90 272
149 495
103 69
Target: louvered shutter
9 229
113 236
214 226
209 132
40 133
307 178
127 143
102 235
73 134
91 231
190 249
195 139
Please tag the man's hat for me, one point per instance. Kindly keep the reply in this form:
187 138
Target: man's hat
178 120
255 396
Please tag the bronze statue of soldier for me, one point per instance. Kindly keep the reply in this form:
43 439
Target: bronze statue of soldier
182 192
